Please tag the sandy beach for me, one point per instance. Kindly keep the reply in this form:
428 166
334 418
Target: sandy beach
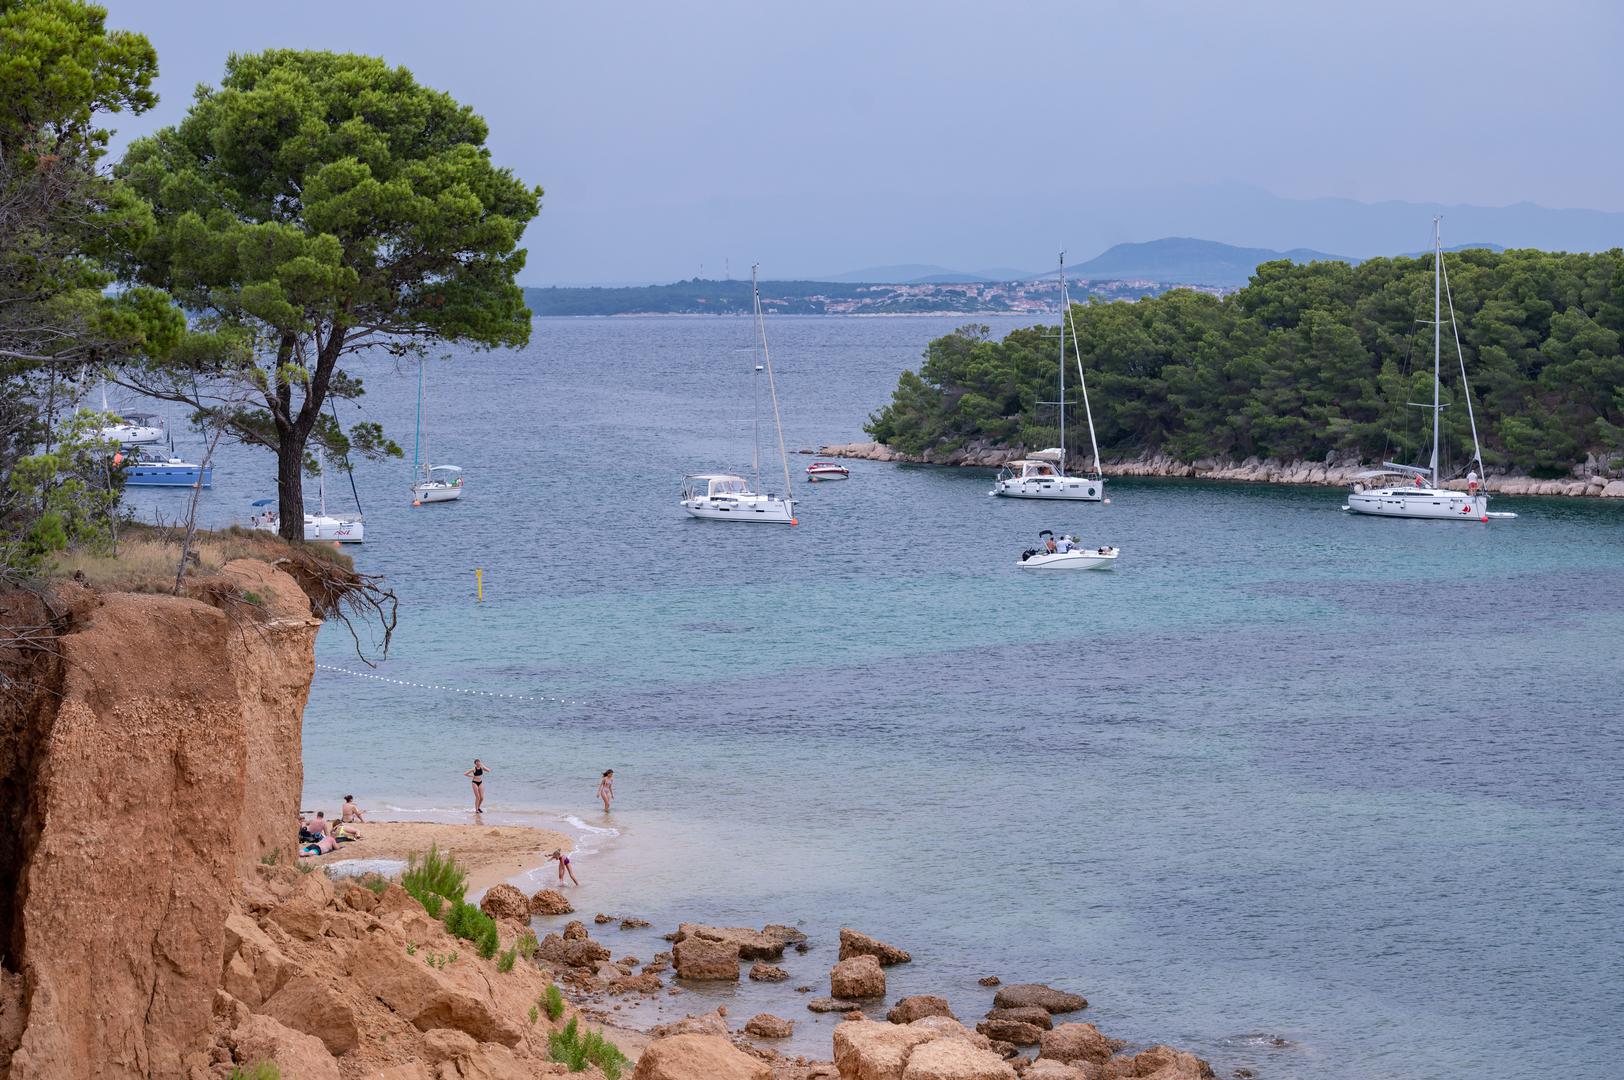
490 853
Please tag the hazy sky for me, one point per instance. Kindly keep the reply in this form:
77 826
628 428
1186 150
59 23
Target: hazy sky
819 137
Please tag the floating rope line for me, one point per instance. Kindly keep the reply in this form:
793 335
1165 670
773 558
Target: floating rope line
449 689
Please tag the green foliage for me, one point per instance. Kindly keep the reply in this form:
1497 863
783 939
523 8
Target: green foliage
259 1070
271 858
535 1014
504 963
553 1001
1306 361
313 206
431 874
375 882
527 944
577 1049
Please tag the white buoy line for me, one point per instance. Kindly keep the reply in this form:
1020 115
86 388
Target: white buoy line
448 689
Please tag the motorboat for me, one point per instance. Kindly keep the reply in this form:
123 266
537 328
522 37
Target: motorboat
724 497
440 483
1417 493
431 483
1068 555
144 471
1043 475
827 470
318 526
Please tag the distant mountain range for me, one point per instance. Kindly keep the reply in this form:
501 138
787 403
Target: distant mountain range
1177 260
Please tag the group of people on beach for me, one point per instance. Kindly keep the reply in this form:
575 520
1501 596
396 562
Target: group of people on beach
476 777
318 835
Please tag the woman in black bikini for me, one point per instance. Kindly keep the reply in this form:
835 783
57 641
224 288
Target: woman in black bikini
475 774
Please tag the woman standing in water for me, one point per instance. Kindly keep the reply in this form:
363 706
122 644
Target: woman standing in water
606 788
476 776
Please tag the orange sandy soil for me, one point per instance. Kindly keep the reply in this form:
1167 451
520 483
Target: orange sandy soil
490 853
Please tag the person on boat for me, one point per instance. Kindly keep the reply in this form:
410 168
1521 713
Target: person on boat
1049 544
1063 544
351 812
477 776
563 861
1471 482
606 788
1418 482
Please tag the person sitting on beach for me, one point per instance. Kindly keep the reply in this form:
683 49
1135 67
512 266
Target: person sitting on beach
351 812
320 826
563 861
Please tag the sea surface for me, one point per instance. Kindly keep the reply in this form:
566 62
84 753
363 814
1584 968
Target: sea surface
1319 796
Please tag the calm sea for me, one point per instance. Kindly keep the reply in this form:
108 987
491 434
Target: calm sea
1320 796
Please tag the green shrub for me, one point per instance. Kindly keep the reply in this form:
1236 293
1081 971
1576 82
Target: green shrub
270 859
534 1013
259 1070
436 875
553 1001
577 1049
466 921
377 884
505 964
527 944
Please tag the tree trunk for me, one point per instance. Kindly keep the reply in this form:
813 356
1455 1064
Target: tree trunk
290 482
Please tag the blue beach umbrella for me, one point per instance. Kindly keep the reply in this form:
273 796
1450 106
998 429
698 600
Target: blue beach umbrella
263 502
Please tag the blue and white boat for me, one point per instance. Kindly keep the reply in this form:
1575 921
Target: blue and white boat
166 472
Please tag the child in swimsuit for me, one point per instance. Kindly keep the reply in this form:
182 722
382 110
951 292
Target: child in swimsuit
606 788
563 865
475 774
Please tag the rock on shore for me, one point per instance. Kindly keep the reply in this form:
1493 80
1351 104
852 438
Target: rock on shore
1592 479
853 944
858 977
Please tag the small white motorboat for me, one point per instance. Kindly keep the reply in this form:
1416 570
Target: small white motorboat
827 470
723 497
316 527
1067 555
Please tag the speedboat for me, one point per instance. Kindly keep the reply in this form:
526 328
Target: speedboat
724 497
1040 477
440 483
135 429
827 470
144 471
1068 555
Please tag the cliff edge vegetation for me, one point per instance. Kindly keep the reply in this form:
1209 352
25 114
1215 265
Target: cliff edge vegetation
1307 362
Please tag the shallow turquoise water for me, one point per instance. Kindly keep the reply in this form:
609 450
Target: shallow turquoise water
1351 782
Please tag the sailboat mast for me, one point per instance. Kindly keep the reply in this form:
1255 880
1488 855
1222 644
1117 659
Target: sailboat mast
1062 363
772 386
755 383
1437 346
417 436
1082 382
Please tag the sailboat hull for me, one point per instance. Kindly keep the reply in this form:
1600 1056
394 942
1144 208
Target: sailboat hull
1073 488
761 509
1426 503
436 493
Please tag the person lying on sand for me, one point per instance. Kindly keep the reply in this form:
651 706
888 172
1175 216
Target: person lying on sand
563 865
345 834
351 812
320 847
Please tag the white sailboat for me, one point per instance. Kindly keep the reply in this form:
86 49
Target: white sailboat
317 526
726 497
132 428
1423 497
1042 475
433 483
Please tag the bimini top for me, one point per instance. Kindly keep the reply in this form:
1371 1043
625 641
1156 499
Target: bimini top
720 483
1054 453
445 468
1031 467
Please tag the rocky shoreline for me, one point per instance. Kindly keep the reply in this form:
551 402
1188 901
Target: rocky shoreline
1593 479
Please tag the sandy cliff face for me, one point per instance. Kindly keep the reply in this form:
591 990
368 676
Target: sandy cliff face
157 765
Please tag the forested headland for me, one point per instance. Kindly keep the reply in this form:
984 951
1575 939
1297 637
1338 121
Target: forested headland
1305 362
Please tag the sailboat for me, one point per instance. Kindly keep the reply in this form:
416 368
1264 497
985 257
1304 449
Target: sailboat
433 483
726 497
317 526
1423 497
132 429
1042 475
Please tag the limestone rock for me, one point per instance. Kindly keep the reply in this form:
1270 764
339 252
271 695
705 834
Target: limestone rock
707 959
989 980
424 997
255 967
853 944
954 1059
315 1007
646 983
550 902
1013 1032
768 1026
297 1055
750 944
631 923
947 1027
505 903
444 1044
711 1023
1166 1063
698 1057
917 1007
1614 490
1026 1014
1022 995
1044 1069
575 930
579 953
1077 1042
830 1005
866 1050
858 977
760 972
787 934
